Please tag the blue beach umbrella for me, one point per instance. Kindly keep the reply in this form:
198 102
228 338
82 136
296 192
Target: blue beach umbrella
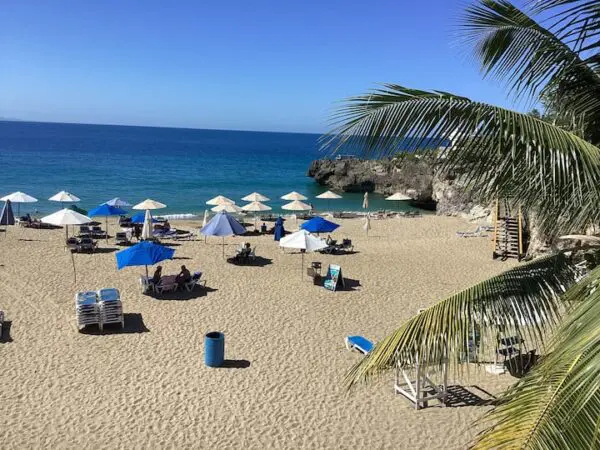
105 210
143 254
7 217
223 225
319 225
139 218
279 229
118 202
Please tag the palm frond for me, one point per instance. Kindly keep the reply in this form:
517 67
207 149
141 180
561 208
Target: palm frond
535 61
498 151
524 299
558 404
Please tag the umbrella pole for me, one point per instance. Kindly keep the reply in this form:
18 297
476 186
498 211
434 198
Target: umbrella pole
302 267
223 246
146 271
74 271
106 229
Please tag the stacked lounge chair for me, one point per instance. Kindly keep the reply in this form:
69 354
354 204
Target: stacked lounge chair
86 309
98 308
110 307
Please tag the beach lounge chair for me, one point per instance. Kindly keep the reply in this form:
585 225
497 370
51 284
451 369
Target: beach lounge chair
110 307
166 284
86 309
334 278
84 229
146 284
359 343
98 232
195 281
86 244
121 238
72 244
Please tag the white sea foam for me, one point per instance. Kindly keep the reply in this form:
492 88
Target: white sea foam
187 216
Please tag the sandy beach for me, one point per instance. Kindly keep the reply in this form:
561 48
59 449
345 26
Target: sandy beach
147 387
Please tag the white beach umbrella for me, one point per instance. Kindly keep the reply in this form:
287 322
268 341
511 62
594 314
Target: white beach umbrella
329 195
227 207
293 196
256 207
205 221
150 204
118 202
296 206
64 196
147 228
367 224
255 197
399 197
220 200
305 242
66 217
365 204
18 198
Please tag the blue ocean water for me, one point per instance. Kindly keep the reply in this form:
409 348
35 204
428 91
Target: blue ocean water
180 167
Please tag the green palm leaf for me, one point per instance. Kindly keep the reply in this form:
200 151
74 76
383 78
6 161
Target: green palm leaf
499 152
548 63
524 300
556 406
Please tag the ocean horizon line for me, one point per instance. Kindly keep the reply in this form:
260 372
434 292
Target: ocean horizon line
23 121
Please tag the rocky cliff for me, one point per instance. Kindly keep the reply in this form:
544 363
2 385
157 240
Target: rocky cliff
379 176
415 176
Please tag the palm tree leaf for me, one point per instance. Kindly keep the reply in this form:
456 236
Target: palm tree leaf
539 62
558 404
523 300
498 151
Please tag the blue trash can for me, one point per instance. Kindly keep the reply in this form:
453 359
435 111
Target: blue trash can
214 349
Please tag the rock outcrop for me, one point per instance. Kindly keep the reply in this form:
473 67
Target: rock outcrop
379 176
412 175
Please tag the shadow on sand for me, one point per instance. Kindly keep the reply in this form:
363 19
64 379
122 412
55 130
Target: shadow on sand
258 261
235 364
197 292
458 396
134 323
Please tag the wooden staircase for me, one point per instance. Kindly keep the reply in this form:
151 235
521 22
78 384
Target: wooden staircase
508 232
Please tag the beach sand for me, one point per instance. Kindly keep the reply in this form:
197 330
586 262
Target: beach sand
284 338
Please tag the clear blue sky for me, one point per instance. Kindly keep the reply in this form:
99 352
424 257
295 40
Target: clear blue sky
253 65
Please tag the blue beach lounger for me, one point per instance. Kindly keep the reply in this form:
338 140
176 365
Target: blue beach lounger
359 343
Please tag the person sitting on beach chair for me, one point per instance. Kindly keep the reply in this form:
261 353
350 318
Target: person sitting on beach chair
155 280
183 277
244 251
